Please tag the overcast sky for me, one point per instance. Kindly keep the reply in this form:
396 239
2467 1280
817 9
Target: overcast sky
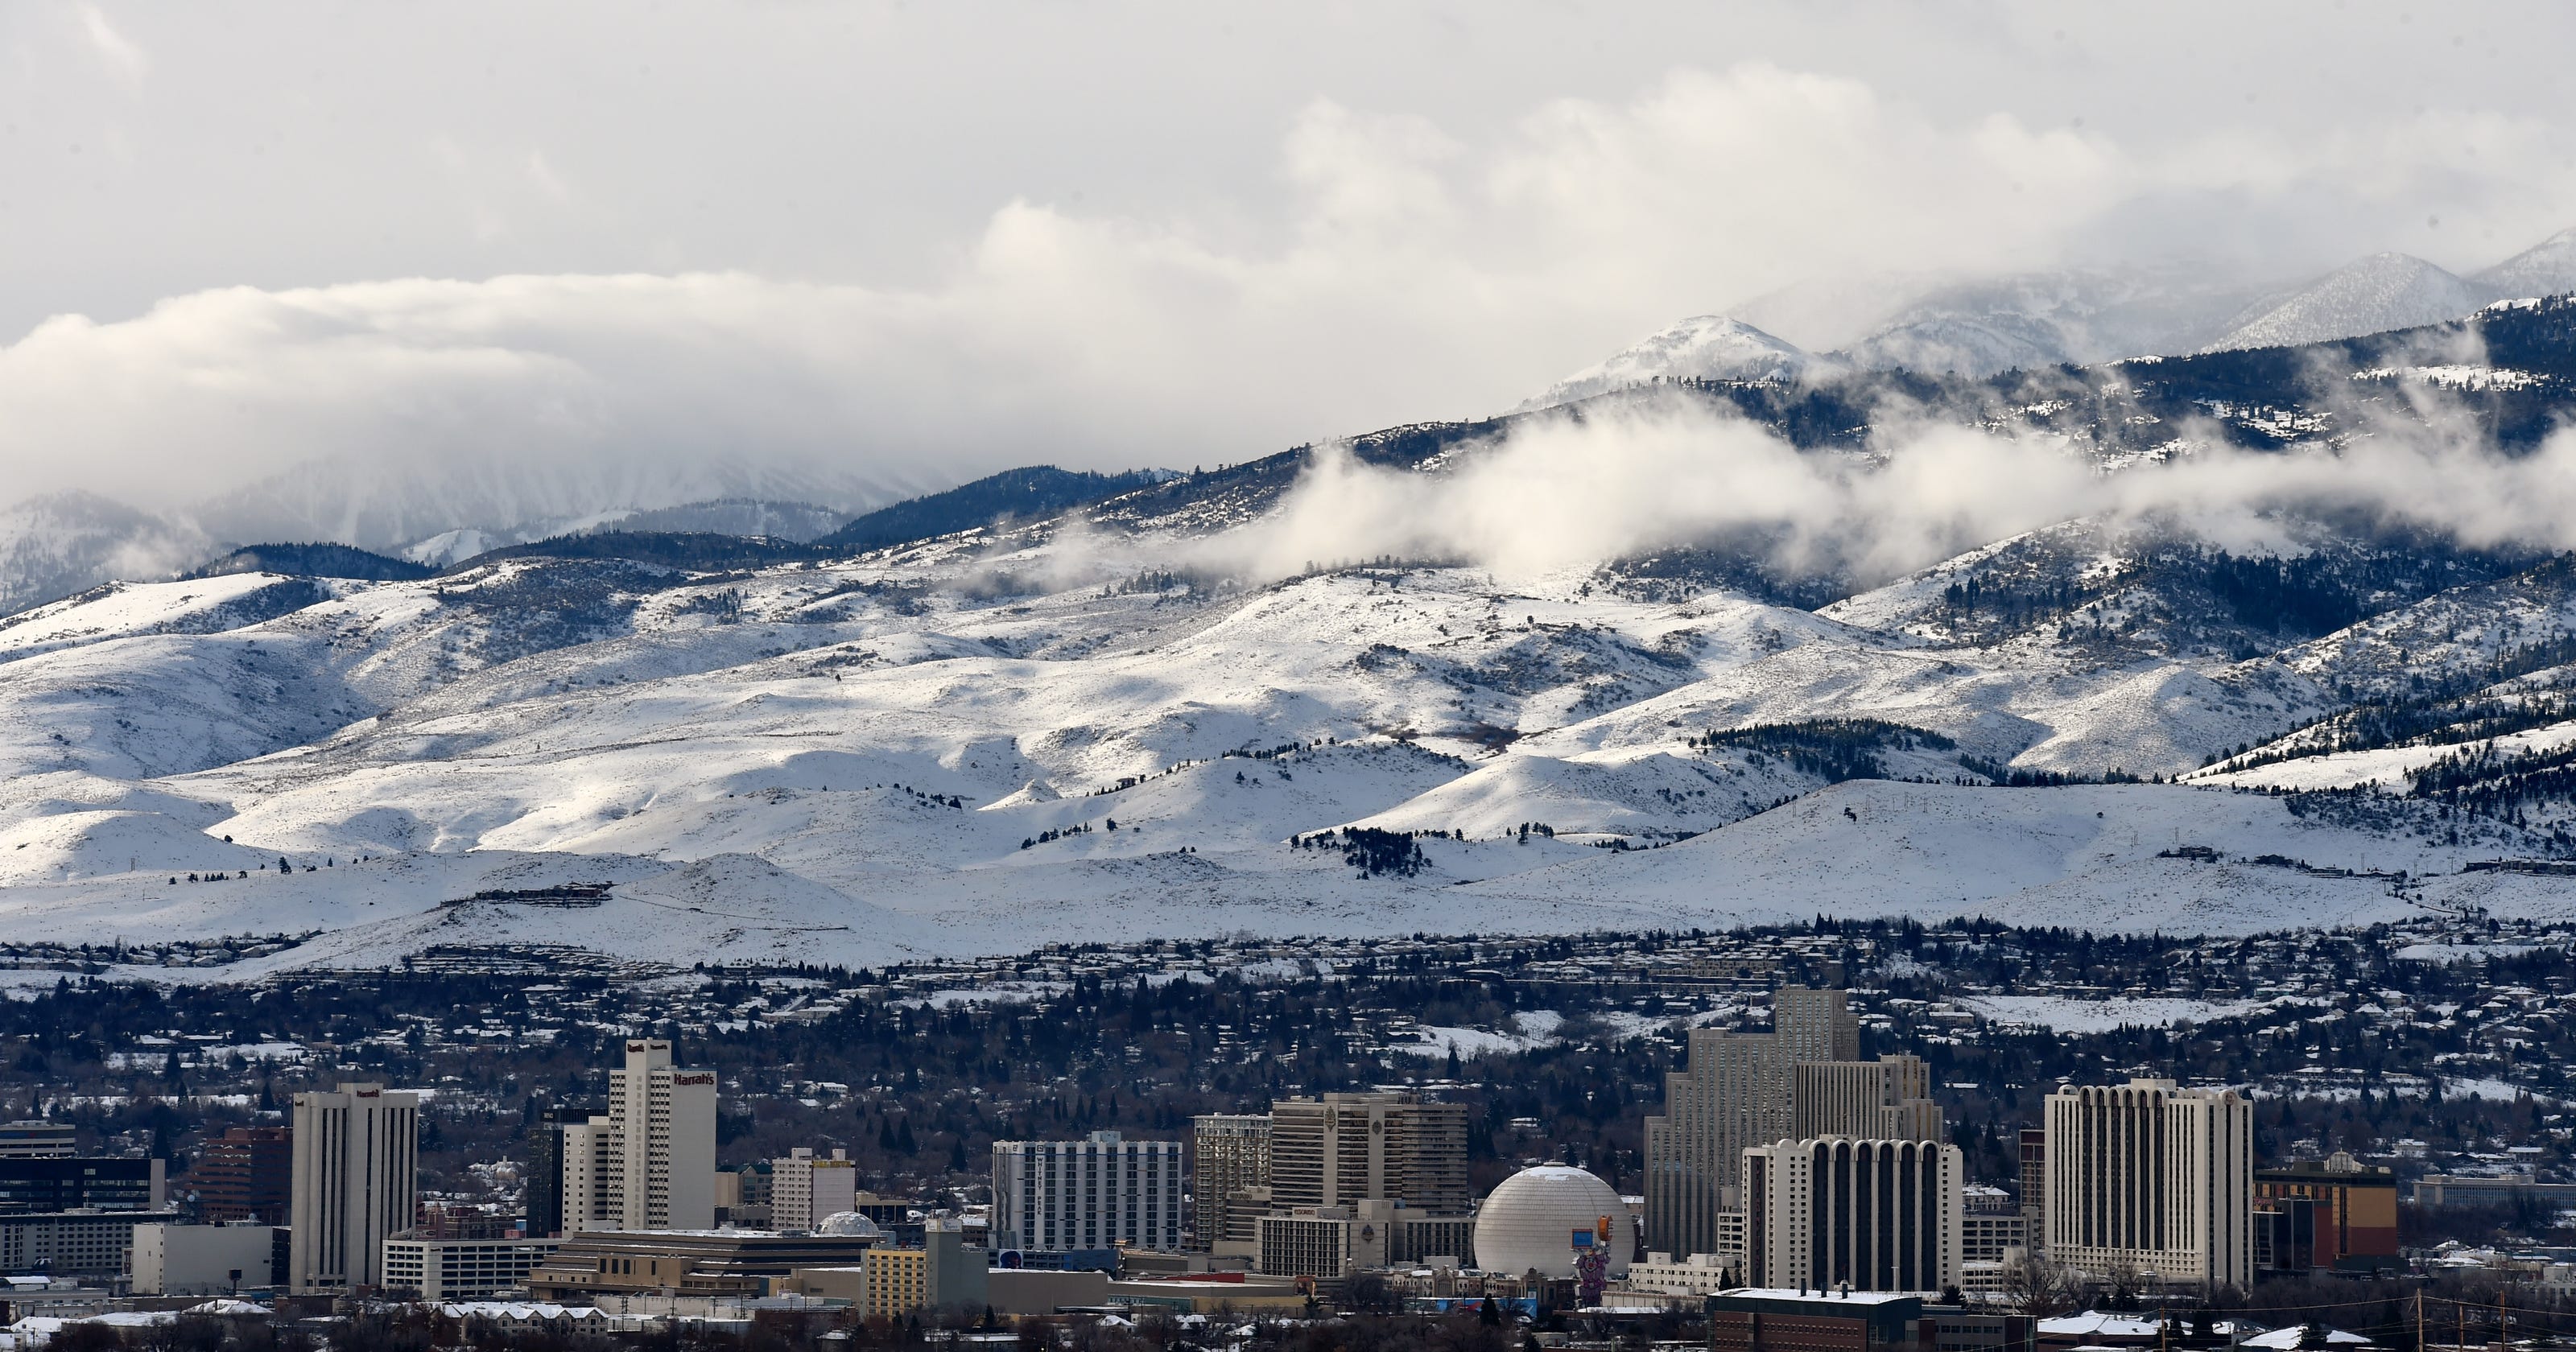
964 236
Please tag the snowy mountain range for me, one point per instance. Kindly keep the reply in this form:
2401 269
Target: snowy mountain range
437 512
2083 316
1090 725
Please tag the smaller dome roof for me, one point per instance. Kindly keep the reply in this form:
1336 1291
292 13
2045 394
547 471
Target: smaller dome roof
848 1223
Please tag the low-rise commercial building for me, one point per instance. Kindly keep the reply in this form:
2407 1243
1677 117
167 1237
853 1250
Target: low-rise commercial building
890 1283
435 1268
684 1262
522 1317
1331 1242
1757 1319
203 1260
2331 1213
1698 1274
2439 1190
1768 1319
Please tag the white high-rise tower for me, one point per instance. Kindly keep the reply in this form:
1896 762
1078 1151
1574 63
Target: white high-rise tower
354 1161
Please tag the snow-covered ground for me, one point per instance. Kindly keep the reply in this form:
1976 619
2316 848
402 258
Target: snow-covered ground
2063 1014
980 745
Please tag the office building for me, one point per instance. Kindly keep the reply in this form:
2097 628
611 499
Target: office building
546 1158
1332 1242
1090 1194
244 1175
1889 1099
1735 1092
2151 1178
436 1268
36 1140
805 1188
75 1183
355 1154
1341 1149
743 1195
74 1243
1230 1159
203 1260
1986 1236
2331 1213
1836 1214
662 1142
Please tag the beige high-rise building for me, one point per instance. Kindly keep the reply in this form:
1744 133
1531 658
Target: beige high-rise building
590 1197
356 1154
1889 1099
1736 1093
1230 1157
804 1188
1342 1149
2150 1178
1878 1215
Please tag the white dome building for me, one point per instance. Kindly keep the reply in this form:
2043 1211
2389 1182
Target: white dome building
1529 1221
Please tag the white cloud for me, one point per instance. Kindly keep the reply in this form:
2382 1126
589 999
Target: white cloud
124 60
1422 271
1557 494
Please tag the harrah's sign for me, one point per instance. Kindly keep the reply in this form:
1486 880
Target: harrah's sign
694 1077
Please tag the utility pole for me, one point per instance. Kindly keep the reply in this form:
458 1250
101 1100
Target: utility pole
2419 1319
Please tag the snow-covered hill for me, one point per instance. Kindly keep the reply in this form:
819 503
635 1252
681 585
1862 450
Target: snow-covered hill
857 760
2371 295
1703 347
2545 269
